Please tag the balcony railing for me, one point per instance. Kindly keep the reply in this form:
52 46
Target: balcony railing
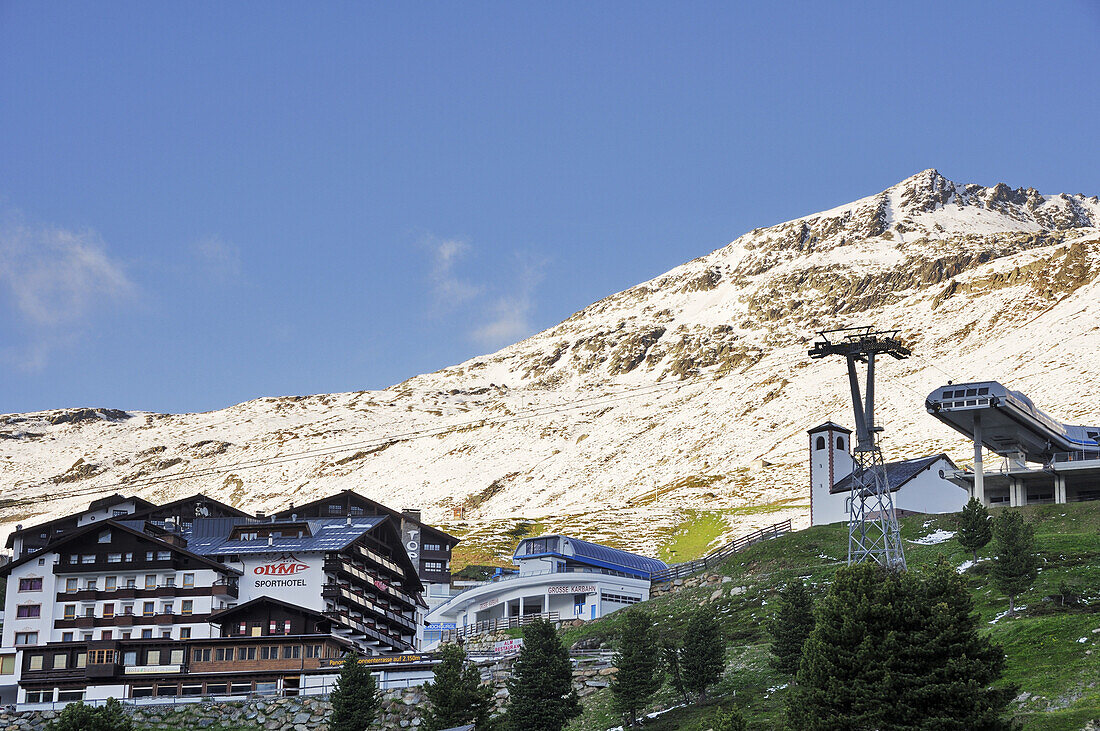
341 564
495 625
335 591
358 626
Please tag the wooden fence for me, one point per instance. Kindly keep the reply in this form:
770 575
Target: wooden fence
719 555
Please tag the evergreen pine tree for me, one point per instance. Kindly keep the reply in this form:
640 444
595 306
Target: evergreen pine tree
893 651
670 654
975 527
791 625
730 720
1015 564
638 676
541 687
703 656
456 694
79 717
355 699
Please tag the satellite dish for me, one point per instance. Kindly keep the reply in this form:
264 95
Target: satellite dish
203 511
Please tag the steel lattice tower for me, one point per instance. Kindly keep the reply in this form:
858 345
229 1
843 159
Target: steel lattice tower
872 522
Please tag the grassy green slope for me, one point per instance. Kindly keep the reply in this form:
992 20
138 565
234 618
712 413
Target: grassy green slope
1058 673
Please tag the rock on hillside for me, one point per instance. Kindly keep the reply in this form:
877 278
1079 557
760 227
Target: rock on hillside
657 400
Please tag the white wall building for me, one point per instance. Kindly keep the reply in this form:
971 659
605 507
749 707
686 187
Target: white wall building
918 485
560 578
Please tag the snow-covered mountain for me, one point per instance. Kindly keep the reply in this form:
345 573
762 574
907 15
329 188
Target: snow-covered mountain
689 392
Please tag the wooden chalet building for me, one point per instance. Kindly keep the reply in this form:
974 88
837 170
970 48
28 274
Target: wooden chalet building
195 598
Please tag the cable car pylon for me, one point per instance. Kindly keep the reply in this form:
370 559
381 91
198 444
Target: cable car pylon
873 533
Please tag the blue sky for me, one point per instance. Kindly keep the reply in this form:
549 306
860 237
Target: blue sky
203 203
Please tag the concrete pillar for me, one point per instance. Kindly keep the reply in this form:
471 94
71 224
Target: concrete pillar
507 603
521 607
1012 496
1060 489
546 602
979 474
1021 492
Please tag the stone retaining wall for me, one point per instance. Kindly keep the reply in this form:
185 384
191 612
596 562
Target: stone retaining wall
400 710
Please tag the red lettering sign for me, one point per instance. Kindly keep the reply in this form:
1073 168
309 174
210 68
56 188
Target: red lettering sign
279 569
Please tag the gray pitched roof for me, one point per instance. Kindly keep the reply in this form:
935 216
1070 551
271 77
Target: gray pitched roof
210 536
897 473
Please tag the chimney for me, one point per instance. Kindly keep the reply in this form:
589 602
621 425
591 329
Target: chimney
412 514
260 515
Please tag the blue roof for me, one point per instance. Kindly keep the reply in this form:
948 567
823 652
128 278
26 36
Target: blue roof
210 536
897 473
606 557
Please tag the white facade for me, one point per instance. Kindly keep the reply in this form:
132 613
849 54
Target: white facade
572 595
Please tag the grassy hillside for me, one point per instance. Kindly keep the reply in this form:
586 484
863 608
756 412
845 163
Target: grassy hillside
1053 650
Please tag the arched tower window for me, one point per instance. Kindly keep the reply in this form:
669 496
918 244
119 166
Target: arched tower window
820 443
840 442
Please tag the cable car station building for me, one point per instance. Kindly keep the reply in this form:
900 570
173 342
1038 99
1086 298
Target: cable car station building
559 578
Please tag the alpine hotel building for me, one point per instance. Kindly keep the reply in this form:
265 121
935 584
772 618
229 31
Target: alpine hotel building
195 598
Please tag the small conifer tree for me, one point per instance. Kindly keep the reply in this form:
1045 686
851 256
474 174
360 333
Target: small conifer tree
456 694
541 695
728 720
1015 564
80 717
975 527
355 700
703 656
791 626
670 654
637 677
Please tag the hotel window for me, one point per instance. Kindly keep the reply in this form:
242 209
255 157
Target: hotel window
141 691
70 611
39 696
129 657
166 634
150 581
131 582
286 627
820 443
146 634
149 555
152 657
74 558
216 688
110 583
27 611
66 636
219 654
164 555
187 606
148 609
109 610
30 584
185 633
71 584
90 584
115 513
313 651
89 611
85 636
167 691
167 608
105 537
292 652
271 626
201 655
240 688
36 662
128 557
177 657
432 547
87 558
169 580
81 659
107 634
195 689
242 628
69 696
433 565
128 609
247 653
188 580
103 657
126 634
60 662
114 558
334 509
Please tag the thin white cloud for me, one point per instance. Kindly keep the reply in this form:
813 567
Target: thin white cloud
508 318
448 289
219 259
56 281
